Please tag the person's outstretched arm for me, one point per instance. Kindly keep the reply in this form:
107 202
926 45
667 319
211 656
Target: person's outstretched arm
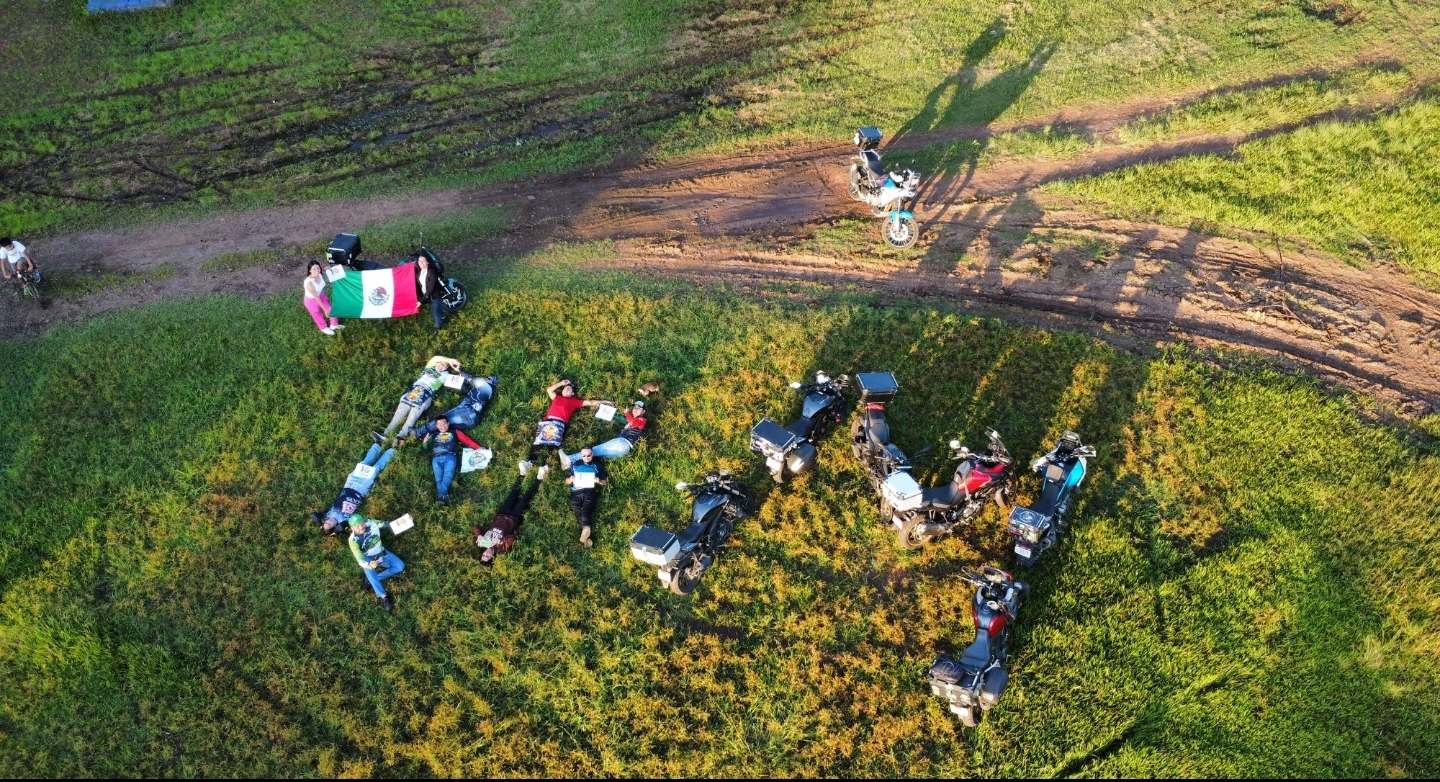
598 402
465 438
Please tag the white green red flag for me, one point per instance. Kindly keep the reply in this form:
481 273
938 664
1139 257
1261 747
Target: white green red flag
382 293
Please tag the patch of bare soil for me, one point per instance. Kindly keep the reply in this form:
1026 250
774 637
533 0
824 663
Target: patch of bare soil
745 217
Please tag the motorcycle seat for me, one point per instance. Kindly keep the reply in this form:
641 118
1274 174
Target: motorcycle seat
941 496
693 532
801 427
878 428
874 167
1049 496
977 654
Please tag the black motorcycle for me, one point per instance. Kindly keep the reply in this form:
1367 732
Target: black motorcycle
790 450
870 434
345 250
720 501
975 682
1038 527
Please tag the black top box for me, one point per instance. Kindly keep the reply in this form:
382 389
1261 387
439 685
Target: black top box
877 387
344 248
652 539
868 138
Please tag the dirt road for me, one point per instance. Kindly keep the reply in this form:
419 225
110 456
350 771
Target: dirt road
990 240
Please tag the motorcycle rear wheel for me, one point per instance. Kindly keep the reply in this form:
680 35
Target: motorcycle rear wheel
855 191
970 716
900 234
684 581
907 535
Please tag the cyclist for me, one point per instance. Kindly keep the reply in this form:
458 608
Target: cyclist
15 259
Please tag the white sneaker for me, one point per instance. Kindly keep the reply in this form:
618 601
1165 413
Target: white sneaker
328 332
542 472
338 326
525 468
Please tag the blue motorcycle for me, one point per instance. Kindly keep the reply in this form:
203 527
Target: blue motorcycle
887 194
1037 527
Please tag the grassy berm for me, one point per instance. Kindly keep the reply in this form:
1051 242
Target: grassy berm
1250 588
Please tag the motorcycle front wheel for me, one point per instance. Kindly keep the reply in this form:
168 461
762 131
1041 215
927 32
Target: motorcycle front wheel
686 575
900 234
456 299
907 535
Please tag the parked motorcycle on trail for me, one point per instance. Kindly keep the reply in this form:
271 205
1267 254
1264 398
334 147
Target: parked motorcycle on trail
870 434
887 195
974 683
922 515
720 501
1037 527
345 250
789 450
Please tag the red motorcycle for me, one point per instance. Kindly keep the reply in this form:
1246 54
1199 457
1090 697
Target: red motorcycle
922 515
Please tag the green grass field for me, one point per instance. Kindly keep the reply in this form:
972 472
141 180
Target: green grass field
1249 590
227 103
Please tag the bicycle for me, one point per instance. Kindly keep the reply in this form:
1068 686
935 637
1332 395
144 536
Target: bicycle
27 286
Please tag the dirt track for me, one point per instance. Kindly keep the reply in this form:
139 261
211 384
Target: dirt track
989 241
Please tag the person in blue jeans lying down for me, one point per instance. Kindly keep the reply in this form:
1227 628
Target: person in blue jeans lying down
358 484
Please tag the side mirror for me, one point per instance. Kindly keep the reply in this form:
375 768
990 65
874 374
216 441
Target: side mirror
795 385
681 486
954 445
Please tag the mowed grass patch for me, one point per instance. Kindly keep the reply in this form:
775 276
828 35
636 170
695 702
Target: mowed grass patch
1229 603
1361 190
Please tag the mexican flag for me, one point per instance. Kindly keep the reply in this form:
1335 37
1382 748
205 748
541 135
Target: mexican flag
383 293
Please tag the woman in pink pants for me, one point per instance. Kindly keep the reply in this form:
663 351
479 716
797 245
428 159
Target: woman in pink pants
315 300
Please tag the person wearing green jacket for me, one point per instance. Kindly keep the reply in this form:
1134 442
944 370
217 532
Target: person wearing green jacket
375 562
417 400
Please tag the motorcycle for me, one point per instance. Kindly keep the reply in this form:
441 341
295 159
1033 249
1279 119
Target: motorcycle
886 194
974 683
790 450
870 434
720 501
922 515
345 250
1037 527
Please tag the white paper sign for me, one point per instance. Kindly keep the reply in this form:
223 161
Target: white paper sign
456 382
401 524
366 471
605 412
472 459
583 480
335 273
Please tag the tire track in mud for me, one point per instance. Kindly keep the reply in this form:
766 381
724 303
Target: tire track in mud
746 218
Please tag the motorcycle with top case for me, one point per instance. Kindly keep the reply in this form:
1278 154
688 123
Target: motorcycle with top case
1038 527
887 194
790 450
921 515
720 501
974 683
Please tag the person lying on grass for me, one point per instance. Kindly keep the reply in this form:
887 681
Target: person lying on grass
357 485
417 400
499 537
444 445
375 562
478 391
618 446
550 432
585 477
